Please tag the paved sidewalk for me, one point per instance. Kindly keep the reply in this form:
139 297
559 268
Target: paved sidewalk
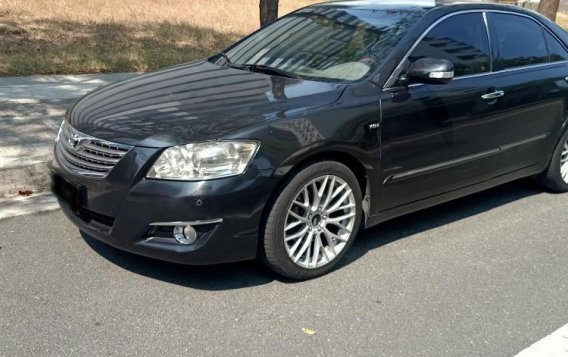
31 109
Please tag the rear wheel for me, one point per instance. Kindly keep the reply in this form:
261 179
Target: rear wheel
313 221
555 178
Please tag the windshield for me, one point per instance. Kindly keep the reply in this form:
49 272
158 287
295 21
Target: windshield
334 44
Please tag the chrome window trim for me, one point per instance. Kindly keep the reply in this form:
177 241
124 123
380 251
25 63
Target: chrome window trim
504 71
486 23
389 84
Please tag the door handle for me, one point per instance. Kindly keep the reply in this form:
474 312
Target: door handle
493 95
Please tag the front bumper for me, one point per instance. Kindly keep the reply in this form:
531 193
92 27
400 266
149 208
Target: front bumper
120 209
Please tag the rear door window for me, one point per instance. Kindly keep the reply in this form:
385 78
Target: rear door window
518 41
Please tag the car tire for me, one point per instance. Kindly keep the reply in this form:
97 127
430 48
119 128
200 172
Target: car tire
555 177
320 205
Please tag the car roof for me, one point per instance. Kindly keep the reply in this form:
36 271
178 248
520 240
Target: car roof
439 7
418 4
373 4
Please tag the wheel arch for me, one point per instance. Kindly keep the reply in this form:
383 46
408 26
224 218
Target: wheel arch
332 154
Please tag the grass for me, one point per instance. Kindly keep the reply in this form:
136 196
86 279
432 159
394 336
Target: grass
562 20
70 36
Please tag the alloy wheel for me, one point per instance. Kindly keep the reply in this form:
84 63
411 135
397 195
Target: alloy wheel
319 222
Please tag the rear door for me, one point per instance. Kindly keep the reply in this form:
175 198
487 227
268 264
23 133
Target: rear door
532 66
438 138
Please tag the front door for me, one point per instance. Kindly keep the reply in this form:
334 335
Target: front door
438 138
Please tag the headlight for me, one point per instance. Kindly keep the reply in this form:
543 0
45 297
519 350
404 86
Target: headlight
203 161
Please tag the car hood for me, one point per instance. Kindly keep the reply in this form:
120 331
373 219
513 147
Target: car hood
193 102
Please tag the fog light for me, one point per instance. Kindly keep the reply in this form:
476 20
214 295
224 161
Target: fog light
185 234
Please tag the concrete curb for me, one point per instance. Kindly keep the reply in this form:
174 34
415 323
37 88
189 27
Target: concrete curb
30 174
19 206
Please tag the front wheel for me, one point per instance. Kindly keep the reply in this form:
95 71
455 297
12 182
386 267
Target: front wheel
313 221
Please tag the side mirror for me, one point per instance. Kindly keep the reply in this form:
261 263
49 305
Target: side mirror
430 71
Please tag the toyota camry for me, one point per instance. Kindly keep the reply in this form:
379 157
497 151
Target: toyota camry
332 119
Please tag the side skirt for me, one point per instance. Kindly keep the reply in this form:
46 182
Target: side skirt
452 195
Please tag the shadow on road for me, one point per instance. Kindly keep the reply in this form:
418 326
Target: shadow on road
215 277
247 274
439 216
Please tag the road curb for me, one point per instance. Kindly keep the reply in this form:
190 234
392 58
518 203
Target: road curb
19 206
27 175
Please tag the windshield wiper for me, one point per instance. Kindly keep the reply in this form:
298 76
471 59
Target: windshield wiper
270 70
228 62
252 67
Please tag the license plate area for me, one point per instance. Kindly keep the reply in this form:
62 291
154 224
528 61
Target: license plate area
68 192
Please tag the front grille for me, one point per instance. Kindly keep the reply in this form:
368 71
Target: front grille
85 155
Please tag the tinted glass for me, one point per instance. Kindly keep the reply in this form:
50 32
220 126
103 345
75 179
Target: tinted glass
325 42
519 41
461 39
556 52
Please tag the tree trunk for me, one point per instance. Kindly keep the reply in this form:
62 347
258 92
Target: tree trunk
549 8
268 12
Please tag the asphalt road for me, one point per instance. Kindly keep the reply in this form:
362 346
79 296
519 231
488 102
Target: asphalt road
482 276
